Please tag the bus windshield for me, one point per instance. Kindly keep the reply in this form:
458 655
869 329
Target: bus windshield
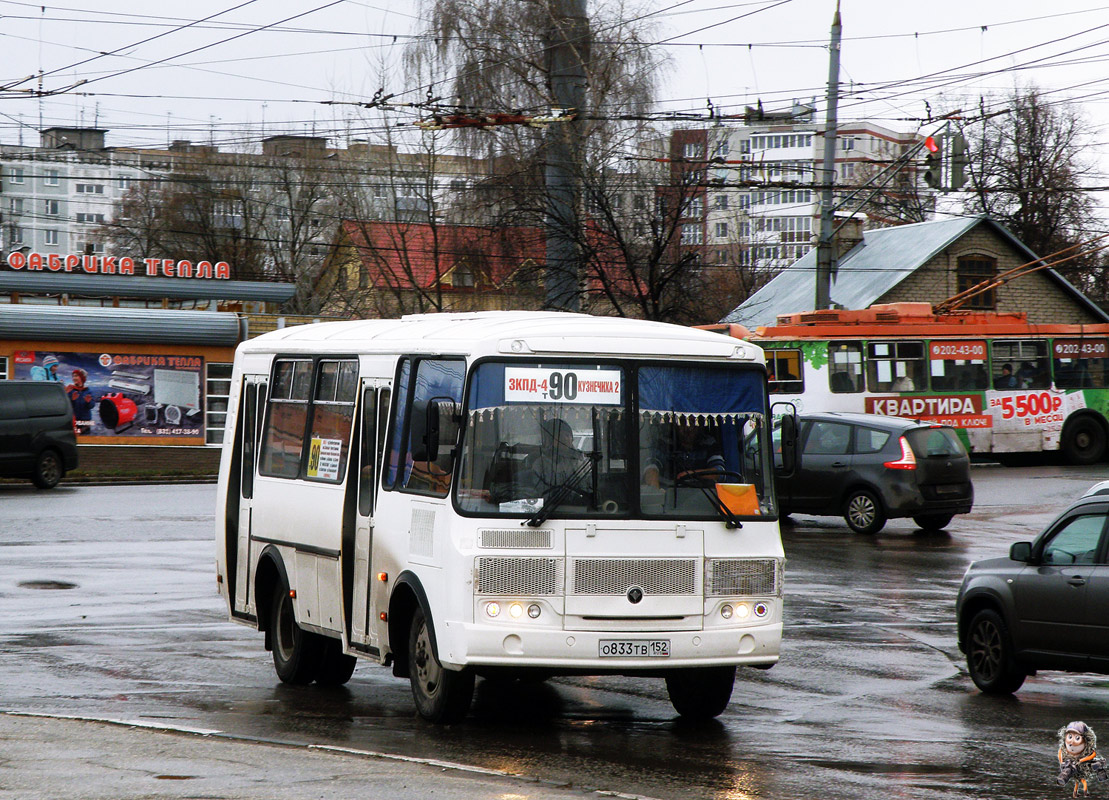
548 439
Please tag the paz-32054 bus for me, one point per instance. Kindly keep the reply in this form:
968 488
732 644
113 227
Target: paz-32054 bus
502 494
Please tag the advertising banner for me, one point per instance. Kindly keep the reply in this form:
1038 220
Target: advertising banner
123 394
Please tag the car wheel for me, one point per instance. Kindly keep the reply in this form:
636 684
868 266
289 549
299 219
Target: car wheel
441 695
933 522
48 469
700 693
1084 441
297 653
863 512
990 659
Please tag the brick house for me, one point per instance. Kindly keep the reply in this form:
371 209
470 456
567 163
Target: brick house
925 262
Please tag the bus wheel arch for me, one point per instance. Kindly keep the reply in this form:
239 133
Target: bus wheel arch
269 573
1084 438
408 595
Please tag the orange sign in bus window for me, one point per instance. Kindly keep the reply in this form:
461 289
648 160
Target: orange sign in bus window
957 351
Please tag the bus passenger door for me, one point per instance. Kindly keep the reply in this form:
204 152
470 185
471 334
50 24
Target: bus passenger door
373 419
247 430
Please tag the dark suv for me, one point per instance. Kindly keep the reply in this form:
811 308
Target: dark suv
871 468
37 435
1046 606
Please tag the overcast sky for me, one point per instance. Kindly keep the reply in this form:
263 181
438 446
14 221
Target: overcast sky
262 67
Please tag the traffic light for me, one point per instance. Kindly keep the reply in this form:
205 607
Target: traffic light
959 161
933 163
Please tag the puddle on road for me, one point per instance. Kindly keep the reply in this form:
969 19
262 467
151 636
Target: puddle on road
51 585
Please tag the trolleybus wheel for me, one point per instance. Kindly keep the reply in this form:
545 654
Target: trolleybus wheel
441 695
701 692
297 653
1084 441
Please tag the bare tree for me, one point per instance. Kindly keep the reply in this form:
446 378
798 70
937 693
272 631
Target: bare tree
1027 170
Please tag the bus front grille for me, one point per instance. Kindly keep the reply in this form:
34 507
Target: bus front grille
655 576
527 539
519 576
743 577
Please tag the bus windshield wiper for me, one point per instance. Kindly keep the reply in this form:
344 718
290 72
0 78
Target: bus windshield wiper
560 492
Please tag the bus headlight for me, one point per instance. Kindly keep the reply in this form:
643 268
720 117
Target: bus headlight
726 611
534 610
515 610
742 611
492 609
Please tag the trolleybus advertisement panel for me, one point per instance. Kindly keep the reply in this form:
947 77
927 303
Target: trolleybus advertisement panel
124 394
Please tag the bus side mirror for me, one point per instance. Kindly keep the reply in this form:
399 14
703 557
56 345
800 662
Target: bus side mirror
788 433
441 427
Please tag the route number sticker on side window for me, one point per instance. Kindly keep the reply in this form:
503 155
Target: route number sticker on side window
598 387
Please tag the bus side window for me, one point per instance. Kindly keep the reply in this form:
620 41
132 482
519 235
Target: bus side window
845 367
435 380
784 374
286 419
896 367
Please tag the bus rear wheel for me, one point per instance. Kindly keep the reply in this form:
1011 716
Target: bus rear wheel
1084 441
700 693
442 695
297 653
335 666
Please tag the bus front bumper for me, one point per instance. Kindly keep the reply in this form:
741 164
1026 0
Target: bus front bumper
464 644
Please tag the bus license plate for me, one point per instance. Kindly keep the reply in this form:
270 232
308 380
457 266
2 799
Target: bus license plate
634 648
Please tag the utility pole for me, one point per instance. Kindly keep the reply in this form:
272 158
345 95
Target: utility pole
567 55
825 246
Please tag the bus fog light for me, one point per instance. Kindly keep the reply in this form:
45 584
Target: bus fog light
742 611
726 611
515 610
534 610
761 609
493 609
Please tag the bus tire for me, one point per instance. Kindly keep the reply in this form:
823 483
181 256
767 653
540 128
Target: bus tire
933 522
335 666
442 695
863 512
296 652
1084 441
700 693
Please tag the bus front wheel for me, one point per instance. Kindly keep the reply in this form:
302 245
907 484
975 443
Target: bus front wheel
441 695
296 652
700 693
1084 441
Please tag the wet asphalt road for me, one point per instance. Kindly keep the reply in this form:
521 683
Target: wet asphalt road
110 612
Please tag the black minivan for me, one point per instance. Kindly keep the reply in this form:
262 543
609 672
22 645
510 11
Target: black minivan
871 468
37 435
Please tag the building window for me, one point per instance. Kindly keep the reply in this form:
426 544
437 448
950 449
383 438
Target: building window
696 207
94 248
16 175
972 270
15 234
51 236
720 202
847 143
217 391
3 368
97 218
692 234
693 150
124 182
90 188
639 202
51 178
50 208
15 205
721 230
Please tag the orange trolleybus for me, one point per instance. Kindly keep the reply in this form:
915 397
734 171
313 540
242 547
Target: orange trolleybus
1008 385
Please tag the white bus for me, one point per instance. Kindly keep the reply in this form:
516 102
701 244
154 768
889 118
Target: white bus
502 494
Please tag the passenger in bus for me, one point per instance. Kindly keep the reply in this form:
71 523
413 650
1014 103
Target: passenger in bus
1006 380
559 465
903 384
690 450
1027 376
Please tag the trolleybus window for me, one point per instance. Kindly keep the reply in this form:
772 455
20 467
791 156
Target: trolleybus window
784 371
845 372
1080 363
958 365
1020 364
896 367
